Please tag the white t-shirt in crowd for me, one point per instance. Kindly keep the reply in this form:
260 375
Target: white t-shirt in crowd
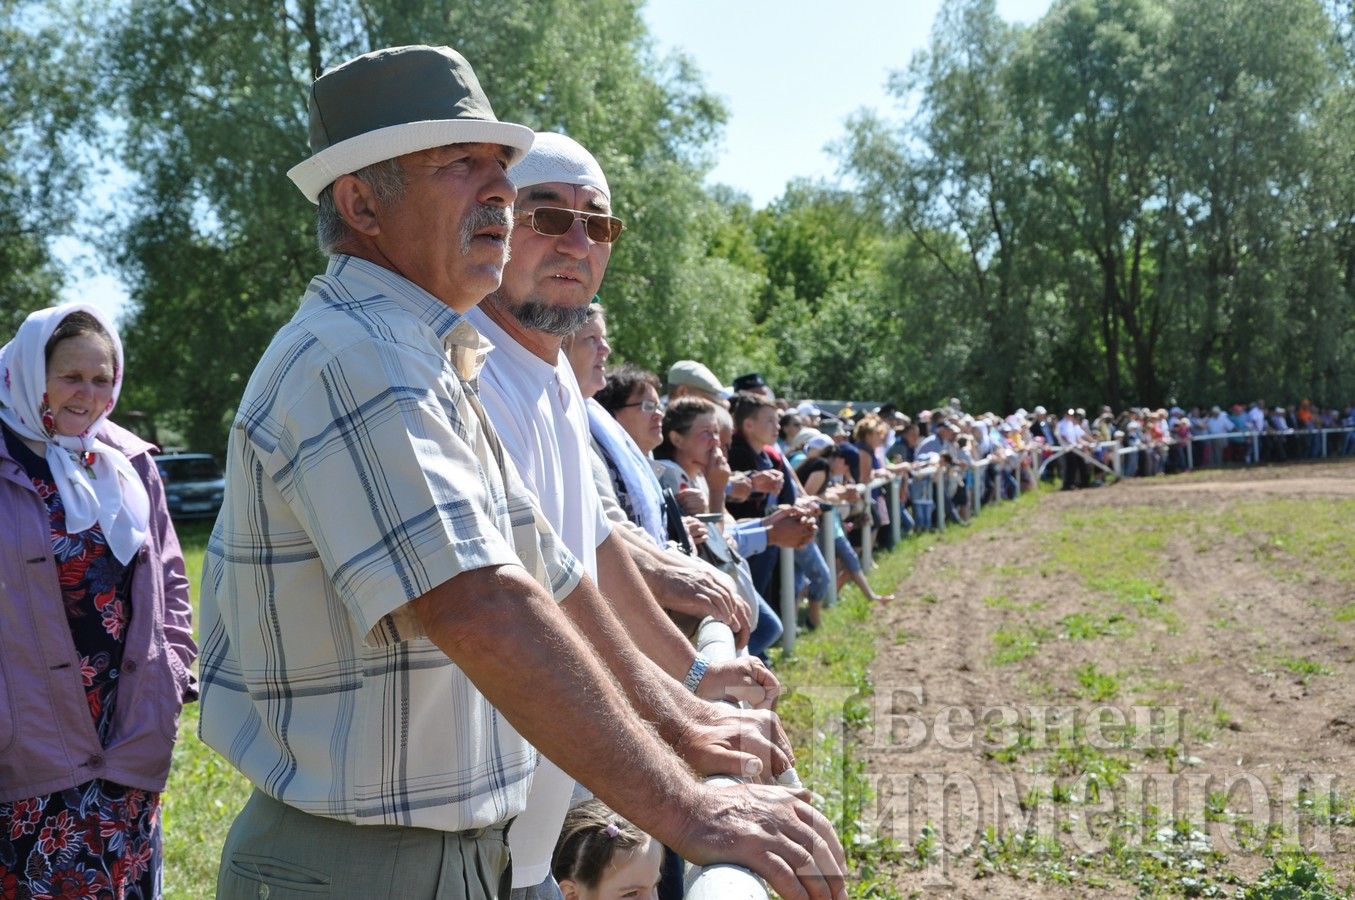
539 413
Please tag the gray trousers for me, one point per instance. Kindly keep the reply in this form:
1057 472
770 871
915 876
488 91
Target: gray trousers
277 852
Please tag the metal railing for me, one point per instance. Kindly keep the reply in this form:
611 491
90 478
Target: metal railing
721 881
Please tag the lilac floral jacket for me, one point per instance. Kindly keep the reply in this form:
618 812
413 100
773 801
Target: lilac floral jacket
47 737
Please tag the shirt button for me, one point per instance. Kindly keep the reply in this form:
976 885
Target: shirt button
129 667
95 762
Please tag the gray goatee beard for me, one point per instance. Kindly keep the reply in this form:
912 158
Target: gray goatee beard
558 321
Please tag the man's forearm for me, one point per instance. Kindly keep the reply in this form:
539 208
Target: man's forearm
516 645
651 630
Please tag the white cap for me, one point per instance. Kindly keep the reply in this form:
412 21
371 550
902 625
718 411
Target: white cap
558 157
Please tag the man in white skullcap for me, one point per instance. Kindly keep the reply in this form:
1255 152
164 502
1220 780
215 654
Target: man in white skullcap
561 245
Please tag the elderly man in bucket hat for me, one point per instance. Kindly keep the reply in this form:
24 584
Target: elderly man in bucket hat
383 645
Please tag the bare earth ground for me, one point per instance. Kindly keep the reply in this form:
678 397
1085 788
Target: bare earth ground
1221 603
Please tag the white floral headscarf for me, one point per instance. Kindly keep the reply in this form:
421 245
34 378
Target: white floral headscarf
96 482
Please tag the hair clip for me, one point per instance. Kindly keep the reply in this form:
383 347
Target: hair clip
611 830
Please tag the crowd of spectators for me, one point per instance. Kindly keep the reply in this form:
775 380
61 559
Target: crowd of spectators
738 461
489 567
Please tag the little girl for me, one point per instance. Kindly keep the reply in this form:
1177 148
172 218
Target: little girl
601 856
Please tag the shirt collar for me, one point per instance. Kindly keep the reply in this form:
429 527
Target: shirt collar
466 348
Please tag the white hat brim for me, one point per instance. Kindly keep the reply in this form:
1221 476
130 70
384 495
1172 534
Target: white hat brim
320 171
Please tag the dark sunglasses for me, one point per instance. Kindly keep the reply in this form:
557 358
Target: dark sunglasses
553 221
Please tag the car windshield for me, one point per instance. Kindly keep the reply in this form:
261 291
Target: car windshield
199 469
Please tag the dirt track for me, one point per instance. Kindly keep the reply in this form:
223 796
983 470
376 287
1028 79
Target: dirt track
1238 632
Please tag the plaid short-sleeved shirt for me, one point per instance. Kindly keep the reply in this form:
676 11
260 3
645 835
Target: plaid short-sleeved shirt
359 476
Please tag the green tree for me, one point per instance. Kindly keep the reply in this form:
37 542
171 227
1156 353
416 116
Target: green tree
957 181
218 246
45 108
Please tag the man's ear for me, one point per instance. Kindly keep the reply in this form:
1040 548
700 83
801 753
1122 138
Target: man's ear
569 889
356 203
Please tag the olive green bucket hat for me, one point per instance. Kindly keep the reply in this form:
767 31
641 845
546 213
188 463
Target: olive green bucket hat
395 101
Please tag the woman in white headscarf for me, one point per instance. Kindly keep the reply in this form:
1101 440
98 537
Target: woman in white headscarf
96 639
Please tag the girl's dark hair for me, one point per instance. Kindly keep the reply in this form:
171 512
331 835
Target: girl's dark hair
74 325
787 420
622 382
679 416
591 838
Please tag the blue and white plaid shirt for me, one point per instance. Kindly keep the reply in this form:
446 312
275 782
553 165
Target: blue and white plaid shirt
360 475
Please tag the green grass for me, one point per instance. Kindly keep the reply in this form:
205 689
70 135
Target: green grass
1302 666
1096 685
204 793
1303 537
1011 645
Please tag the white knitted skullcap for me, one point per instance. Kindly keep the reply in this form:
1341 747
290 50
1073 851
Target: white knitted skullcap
556 157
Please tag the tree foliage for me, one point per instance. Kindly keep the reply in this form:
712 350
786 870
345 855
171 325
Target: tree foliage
218 246
43 106
1127 201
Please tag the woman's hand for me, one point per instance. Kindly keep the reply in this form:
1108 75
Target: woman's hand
692 501
696 530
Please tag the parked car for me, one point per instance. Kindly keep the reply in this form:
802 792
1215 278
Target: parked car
193 484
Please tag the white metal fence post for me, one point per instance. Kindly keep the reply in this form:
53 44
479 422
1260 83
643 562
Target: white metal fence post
895 513
788 606
828 544
939 487
868 535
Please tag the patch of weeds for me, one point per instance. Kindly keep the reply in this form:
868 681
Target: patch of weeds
1303 667
1223 623
926 848
1221 717
1016 644
1082 626
1078 761
1006 753
1315 533
929 598
900 637
1325 809
1295 876
1216 807
1345 613
1097 685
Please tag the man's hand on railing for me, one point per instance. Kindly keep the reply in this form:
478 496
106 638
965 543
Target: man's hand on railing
744 743
789 527
773 831
701 593
742 680
767 481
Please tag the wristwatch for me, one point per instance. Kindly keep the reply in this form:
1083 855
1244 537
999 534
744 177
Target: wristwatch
696 673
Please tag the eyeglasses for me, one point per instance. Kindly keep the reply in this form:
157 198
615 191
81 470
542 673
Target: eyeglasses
554 221
647 407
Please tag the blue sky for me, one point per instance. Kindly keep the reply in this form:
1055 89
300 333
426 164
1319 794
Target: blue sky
790 73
